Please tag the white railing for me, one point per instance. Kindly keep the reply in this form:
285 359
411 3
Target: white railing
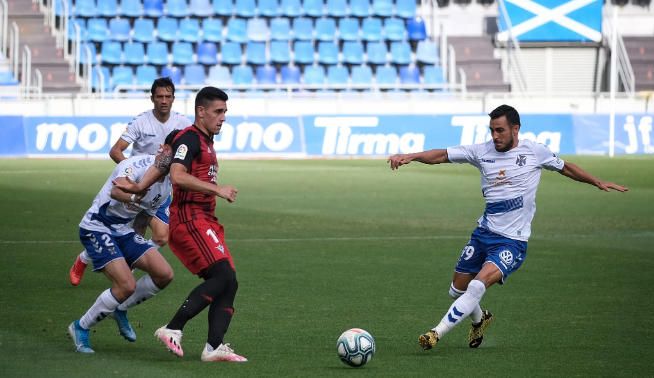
4 12
514 69
12 55
26 71
623 63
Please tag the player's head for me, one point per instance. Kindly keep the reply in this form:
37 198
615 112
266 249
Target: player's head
162 95
165 154
210 109
504 127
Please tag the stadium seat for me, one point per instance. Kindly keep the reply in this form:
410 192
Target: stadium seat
303 29
219 75
157 53
134 53
371 29
143 30
242 75
266 75
313 8
105 83
337 75
81 24
201 8
352 52
291 8
386 77
427 52
97 30
111 52
223 8
400 53
145 75
376 53
280 52
433 75
280 29
86 8
107 8
167 29
290 74
362 76
405 8
182 53
231 53
257 30
337 8
189 30
360 8
325 29
348 29
394 29
174 73
255 53
151 8
134 9
122 75
409 75
314 75
268 8
88 53
212 29
327 53
177 8
383 8
207 53
245 8
416 29
236 30
303 52
119 29
58 6
194 74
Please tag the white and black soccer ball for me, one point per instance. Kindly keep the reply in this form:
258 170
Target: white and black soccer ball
355 347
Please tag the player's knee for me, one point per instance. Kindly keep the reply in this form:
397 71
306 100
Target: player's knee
454 292
163 278
476 288
124 290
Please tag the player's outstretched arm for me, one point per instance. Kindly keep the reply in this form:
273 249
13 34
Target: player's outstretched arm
179 176
436 156
575 172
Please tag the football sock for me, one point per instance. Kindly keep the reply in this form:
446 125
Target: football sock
475 315
462 307
104 305
200 297
219 319
84 256
145 289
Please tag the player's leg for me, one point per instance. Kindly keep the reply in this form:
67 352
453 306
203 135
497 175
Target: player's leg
159 274
76 272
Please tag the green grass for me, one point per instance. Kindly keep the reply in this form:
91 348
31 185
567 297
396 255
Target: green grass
322 246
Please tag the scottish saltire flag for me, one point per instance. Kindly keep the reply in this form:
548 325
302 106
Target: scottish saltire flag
552 20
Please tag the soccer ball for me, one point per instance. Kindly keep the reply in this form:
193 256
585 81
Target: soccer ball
355 347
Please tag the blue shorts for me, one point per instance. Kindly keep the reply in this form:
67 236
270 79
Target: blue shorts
486 246
103 248
164 212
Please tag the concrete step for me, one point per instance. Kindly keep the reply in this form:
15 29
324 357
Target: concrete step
23 8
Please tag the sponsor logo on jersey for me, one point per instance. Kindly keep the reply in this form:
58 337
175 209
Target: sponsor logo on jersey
139 239
492 161
507 257
181 152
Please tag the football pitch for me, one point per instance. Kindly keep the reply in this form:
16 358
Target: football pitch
323 246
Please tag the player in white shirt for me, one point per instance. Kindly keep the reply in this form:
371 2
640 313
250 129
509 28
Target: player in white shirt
510 173
146 132
108 236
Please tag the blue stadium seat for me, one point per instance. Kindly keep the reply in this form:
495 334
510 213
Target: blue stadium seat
328 53
245 8
348 29
107 8
383 8
291 8
405 8
427 52
242 75
97 29
409 75
303 52
337 75
371 29
352 52
325 29
167 29
106 79
182 53
143 30
219 75
212 29
157 53
386 76
394 29
145 75
416 29
268 8
266 75
377 54
280 29
151 8
313 8
237 30
290 74
201 8
207 53
58 6
280 52
134 9
257 30
189 30
122 75
86 8
231 53
81 23
360 8
223 8
7 78
362 75
174 73
88 54
337 8
433 75
134 53
314 75
119 29
303 29
194 74
255 53
177 8
400 53
111 52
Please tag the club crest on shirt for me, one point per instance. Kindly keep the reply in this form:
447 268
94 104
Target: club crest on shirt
181 152
521 160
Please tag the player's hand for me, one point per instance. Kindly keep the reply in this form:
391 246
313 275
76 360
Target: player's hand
398 160
227 192
129 186
607 186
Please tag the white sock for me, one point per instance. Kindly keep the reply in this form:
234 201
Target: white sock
462 307
145 289
103 306
84 256
476 314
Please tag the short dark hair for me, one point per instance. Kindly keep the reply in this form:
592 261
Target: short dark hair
162 82
208 94
171 136
505 110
